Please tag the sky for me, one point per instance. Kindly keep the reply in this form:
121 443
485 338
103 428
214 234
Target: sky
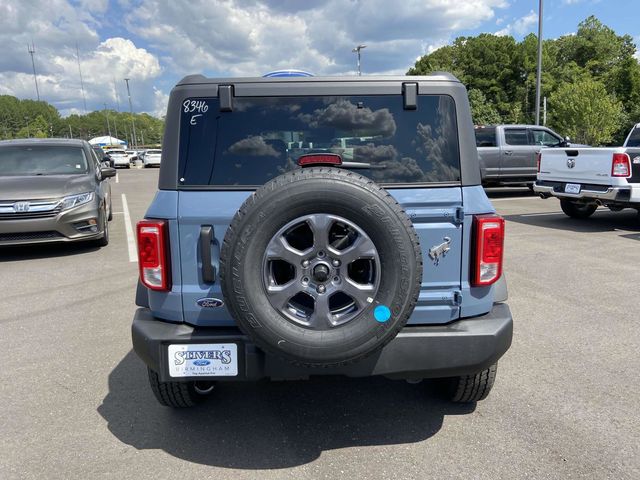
155 43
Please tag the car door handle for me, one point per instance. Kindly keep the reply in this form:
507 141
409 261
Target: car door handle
508 152
206 239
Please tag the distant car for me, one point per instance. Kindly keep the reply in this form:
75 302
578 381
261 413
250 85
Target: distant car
53 190
152 158
133 156
102 156
120 158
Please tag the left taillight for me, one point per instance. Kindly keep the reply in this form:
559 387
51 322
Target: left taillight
153 254
489 249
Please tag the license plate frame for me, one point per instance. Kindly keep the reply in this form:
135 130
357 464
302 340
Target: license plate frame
572 188
202 360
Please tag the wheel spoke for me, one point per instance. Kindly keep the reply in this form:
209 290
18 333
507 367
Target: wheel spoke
358 292
321 316
320 225
362 247
281 294
279 249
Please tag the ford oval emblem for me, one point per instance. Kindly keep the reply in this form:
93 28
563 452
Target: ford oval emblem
201 363
210 303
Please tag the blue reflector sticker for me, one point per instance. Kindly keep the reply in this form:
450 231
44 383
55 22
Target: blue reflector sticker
381 313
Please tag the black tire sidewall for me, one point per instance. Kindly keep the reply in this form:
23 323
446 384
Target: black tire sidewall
395 242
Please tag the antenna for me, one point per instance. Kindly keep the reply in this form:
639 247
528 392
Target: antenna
84 100
32 49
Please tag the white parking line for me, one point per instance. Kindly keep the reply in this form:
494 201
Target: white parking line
540 214
131 243
117 179
512 199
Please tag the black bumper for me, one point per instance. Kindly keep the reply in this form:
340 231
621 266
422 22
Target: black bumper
461 347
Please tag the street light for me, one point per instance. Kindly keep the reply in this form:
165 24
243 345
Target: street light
133 124
357 50
539 74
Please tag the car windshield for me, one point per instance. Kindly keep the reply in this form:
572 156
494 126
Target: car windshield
42 160
634 138
117 152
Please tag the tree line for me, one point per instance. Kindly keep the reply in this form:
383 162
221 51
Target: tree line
591 80
39 119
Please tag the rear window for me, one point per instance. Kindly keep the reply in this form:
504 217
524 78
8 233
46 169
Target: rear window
634 138
486 137
42 160
264 137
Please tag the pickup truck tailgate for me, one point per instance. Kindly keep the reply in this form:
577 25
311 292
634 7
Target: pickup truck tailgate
578 165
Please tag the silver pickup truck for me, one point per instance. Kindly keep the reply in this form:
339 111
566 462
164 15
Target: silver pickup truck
507 153
585 178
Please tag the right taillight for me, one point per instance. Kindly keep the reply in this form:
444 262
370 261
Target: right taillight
489 247
621 165
538 159
153 258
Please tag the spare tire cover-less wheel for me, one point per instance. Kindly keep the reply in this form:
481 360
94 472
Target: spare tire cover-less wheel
321 266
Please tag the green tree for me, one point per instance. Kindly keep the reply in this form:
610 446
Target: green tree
482 112
585 112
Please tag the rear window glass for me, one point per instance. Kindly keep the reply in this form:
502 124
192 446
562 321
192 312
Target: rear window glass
485 136
42 160
264 137
514 136
634 138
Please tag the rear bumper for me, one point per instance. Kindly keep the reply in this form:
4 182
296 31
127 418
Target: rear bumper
587 192
462 347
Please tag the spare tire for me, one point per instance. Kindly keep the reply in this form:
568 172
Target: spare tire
321 267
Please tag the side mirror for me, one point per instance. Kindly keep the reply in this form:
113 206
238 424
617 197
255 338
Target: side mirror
107 172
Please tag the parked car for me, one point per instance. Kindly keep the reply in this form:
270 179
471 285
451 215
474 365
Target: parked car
507 153
133 156
260 262
585 178
152 158
120 158
53 190
102 156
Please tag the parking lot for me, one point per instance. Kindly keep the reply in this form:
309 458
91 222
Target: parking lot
75 402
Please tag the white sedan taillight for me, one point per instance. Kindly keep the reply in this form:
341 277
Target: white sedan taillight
489 248
153 254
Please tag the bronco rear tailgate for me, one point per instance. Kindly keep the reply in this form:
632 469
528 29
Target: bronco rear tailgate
577 165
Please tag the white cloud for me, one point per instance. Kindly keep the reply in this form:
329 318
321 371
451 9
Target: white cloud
521 26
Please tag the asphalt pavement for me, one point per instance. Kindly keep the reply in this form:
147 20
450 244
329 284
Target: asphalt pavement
75 402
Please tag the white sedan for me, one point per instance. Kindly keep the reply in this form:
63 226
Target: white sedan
119 158
152 158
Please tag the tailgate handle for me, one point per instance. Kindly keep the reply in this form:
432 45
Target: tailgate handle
206 239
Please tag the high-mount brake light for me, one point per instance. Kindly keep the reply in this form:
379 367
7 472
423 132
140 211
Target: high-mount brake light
153 254
489 249
312 159
620 165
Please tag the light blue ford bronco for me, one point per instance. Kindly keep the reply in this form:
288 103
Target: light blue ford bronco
320 226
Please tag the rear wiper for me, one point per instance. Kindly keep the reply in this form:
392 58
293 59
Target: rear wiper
363 165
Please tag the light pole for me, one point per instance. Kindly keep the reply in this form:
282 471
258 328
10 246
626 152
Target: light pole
538 79
133 124
32 49
357 50
106 114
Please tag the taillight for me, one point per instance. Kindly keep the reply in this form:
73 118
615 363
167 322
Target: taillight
621 165
153 254
489 247
538 159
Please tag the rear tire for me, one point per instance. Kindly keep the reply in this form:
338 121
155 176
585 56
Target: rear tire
179 394
577 210
471 388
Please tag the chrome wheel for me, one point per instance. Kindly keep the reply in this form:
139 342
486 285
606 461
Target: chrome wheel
320 271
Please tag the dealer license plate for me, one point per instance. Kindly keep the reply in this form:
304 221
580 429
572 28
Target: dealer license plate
203 360
572 188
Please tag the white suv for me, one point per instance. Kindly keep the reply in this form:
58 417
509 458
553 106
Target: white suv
152 158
